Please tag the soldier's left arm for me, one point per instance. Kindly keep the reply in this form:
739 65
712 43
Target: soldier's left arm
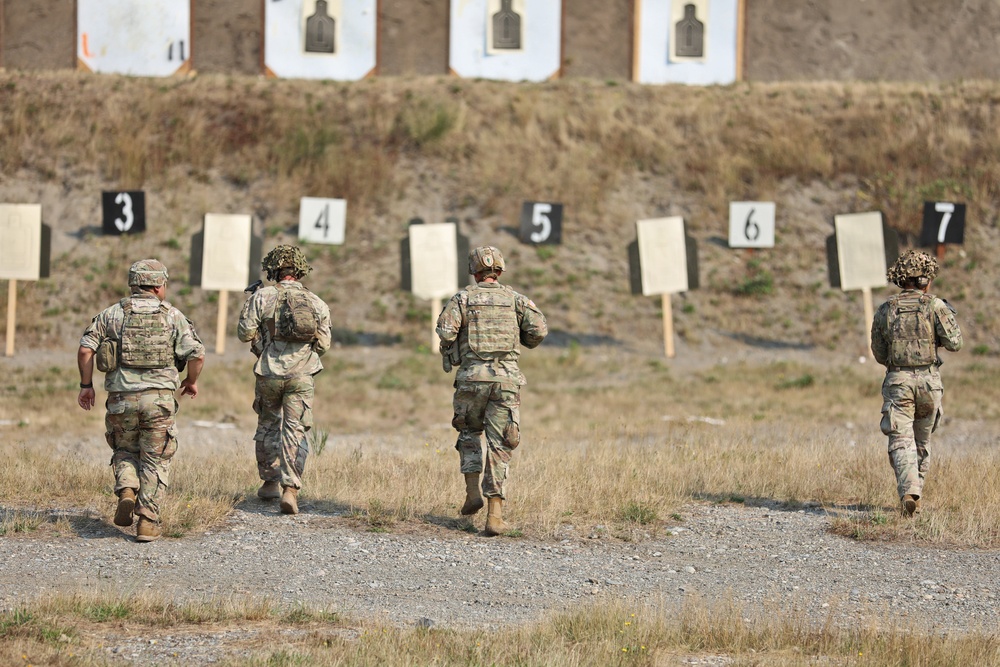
534 328
449 322
946 327
324 335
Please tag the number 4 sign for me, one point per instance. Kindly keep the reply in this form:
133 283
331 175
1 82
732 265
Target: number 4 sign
751 224
322 220
541 223
944 222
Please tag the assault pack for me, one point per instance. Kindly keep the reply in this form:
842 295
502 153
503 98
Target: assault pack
910 324
295 319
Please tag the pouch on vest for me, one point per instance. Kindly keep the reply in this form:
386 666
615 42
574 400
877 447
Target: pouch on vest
294 317
911 331
493 328
146 340
107 356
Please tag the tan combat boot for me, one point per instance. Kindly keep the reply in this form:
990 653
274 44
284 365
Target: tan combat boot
473 501
909 503
269 491
289 502
494 518
147 530
126 503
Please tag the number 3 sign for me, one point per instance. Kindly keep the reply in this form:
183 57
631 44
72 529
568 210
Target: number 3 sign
123 212
751 224
541 223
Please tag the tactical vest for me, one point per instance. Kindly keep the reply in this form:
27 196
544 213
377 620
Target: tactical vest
492 322
910 327
294 318
146 340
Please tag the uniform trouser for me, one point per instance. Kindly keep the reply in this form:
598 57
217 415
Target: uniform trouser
911 411
495 408
284 415
141 431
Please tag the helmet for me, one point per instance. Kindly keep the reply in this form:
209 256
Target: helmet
912 264
285 257
485 258
147 273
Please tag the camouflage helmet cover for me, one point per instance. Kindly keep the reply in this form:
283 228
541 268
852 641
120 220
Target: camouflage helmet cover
485 258
285 257
147 273
912 264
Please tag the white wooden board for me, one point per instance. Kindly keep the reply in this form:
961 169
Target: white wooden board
658 62
354 53
434 260
860 250
662 255
20 241
139 37
472 51
226 253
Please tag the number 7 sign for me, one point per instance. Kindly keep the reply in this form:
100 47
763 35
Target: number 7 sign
944 222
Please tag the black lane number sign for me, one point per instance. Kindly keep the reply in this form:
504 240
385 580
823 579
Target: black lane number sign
123 212
944 222
541 223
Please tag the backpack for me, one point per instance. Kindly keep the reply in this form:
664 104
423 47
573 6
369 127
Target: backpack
295 319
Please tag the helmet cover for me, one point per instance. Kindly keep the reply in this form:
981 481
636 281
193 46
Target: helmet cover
910 265
147 273
285 257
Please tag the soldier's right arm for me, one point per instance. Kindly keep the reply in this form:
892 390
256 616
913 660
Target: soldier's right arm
250 318
880 345
946 327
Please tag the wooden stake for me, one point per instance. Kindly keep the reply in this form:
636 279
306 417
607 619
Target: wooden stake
866 296
668 327
741 34
11 315
435 311
220 327
940 251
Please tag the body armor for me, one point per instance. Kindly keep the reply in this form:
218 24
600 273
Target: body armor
146 338
492 321
910 325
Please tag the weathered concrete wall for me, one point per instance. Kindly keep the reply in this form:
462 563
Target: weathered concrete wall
785 39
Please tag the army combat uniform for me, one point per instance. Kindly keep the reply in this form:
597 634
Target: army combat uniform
284 388
489 323
152 336
906 332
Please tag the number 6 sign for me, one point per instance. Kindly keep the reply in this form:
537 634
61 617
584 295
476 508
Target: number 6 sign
751 224
541 223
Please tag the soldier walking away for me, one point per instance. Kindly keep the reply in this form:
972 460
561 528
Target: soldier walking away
906 333
288 328
141 344
482 329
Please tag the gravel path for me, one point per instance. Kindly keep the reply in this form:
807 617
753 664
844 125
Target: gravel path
760 557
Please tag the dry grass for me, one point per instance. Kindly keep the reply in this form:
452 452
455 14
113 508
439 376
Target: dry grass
73 630
611 440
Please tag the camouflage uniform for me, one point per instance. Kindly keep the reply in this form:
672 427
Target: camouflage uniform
141 405
284 389
489 322
906 332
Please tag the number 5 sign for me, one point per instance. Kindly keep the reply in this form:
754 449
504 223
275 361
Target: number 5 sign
751 224
944 222
541 223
